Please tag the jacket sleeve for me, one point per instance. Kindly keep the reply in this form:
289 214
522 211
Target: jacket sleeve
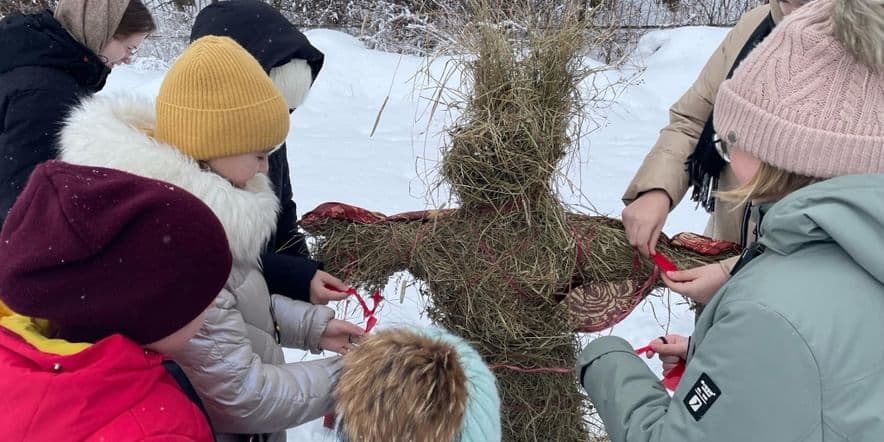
241 393
286 262
765 376
289 240
301 324
664 166
28 137
288 275
727 265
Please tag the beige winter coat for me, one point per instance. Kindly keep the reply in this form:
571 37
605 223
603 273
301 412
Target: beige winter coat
664 166
235 362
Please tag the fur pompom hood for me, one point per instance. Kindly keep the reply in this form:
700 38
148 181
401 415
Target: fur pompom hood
410 385
115 132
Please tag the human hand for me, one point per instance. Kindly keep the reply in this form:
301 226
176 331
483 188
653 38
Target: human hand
340 336
698 283
325 288
671 349
643 220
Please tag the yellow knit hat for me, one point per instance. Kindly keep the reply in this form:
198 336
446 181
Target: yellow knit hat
217 101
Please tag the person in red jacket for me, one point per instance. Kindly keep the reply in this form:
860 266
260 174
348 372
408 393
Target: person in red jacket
119 270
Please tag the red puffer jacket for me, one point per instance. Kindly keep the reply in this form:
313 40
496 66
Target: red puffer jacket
112 390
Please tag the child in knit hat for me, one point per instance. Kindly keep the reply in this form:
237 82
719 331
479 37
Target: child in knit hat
417 385
789 348
107 272
216 119
293 64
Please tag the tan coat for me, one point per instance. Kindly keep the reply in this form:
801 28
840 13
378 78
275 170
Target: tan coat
664 166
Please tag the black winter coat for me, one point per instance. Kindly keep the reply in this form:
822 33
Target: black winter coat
43 73
273 41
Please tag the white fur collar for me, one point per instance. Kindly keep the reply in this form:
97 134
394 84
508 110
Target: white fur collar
111 131
293 80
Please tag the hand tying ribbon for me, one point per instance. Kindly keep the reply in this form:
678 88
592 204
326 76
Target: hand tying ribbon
673 376
367 313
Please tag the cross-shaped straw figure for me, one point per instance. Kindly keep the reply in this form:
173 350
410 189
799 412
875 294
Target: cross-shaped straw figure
511 270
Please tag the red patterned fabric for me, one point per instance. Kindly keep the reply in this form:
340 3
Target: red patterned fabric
704 245
596 306
347 212
593 305
420 215
340 211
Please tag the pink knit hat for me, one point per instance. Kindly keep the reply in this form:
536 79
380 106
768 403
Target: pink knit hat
810 98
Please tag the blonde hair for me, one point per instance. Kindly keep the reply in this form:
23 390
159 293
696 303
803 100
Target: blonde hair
769 184
859 25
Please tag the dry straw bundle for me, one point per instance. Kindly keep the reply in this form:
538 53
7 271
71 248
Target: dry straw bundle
507 268
517 299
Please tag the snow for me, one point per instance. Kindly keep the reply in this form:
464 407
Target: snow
334 158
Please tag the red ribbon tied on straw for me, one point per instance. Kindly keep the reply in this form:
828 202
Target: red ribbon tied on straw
671 379
663 263
367 313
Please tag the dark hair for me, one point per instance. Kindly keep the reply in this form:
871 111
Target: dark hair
136 20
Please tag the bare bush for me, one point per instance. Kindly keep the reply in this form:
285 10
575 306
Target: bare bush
671 13
174 19
633 18
417 26
718 12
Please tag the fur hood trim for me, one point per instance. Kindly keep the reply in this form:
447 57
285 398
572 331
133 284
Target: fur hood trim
294 80
114 132
422 374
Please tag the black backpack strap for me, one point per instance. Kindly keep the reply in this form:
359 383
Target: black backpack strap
758 35
181 379
749 253
705 164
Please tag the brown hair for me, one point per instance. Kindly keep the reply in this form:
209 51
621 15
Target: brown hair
769 184
136 20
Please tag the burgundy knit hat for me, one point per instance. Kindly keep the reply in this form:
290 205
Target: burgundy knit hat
98 251
810 98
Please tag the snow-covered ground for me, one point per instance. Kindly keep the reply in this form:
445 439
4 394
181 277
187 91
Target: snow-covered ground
334 158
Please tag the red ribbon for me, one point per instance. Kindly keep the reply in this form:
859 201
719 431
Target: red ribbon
671 379
328 421
663 263
367 313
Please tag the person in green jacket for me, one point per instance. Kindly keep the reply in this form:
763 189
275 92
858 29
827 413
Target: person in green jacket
790 348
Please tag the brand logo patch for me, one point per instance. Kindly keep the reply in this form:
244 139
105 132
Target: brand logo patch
701 396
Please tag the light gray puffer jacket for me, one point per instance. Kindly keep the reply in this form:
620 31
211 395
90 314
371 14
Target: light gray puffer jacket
235 362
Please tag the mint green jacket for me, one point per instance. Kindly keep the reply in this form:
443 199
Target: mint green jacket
790 349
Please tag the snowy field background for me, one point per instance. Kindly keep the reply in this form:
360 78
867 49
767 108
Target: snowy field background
333 157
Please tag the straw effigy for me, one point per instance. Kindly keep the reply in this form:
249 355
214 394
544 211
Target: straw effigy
510 270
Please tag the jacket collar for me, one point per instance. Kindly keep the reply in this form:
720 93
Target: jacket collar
844 211
114 131
35 331
776 11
